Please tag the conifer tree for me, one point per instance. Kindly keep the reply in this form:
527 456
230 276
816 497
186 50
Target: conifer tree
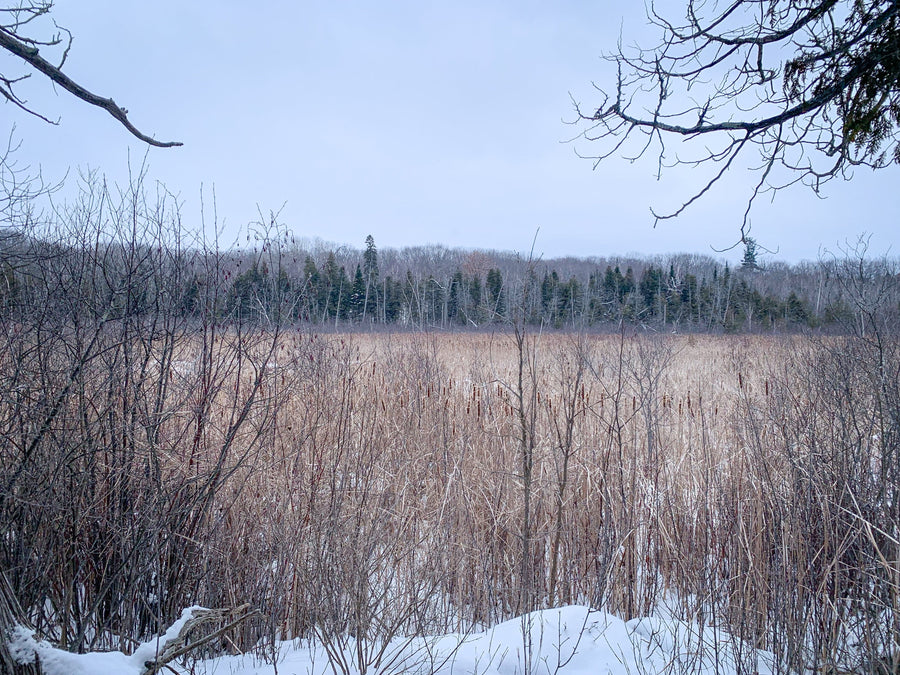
749 262
313 292
358 292
370 276
453 297
495 292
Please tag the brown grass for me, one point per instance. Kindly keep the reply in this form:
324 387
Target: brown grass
377 487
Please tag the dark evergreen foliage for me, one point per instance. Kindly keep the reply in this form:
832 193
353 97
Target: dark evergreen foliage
445 289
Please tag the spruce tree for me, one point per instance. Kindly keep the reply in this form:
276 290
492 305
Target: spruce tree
495 292
357 301
370 275
749 262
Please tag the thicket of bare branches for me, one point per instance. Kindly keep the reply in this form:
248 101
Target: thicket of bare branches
130 411
159 450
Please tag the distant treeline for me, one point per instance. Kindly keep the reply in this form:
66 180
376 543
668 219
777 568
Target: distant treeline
436 288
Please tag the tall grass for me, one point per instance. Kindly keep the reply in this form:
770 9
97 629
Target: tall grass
374 489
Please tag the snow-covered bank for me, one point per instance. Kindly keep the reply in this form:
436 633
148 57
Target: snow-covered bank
25 649
570 640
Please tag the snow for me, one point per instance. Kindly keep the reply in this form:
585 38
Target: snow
570 640
24 648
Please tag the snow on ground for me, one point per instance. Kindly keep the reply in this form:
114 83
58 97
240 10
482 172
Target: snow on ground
25 649
571 640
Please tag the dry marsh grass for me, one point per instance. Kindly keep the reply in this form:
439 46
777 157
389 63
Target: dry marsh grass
377 486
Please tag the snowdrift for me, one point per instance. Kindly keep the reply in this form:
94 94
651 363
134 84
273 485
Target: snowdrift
566 641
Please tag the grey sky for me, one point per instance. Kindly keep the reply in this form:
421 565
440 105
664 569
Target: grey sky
417 122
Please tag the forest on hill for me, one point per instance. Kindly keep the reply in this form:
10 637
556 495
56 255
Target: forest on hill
433 287
436 287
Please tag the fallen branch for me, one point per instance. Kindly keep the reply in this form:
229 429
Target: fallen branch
179 646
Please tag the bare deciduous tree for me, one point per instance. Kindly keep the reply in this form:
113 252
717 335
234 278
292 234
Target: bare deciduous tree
812 88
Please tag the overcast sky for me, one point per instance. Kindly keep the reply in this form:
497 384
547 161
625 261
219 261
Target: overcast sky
417 122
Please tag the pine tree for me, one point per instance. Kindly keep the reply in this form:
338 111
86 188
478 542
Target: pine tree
650 286
494 286
246 295
356 303
338 288
454 296
749 262
795 310
370 275
392 300
569 301
548 295
313 291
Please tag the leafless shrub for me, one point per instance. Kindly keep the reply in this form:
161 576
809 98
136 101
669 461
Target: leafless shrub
126 408
162 449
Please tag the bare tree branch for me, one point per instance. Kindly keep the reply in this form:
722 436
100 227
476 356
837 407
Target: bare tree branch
838 100
30 55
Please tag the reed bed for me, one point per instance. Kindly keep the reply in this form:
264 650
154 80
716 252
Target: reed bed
377 489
